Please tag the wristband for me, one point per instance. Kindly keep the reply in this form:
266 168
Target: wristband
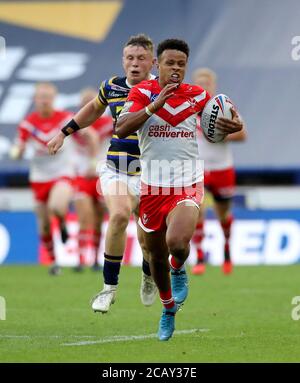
70 128
147 111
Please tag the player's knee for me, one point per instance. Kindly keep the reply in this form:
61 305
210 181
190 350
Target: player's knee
178 244
120 219
57 211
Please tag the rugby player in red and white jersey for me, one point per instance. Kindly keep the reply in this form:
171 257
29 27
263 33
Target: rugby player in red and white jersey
90 144
50 179
219 178
164 112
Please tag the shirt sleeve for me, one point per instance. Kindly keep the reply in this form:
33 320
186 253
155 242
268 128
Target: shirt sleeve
204 102
101 95
24 131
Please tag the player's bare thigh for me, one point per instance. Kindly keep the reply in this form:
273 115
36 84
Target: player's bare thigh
119 199
181 223
120 205
60 197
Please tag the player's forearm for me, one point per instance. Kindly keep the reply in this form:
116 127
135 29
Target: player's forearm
131 122
84 117
88 114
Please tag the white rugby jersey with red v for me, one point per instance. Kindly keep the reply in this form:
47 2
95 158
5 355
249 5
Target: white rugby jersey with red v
167 140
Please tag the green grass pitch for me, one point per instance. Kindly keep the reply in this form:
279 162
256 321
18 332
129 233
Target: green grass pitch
244 317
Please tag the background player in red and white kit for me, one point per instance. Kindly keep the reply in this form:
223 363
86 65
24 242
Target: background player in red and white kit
91 145
219 178
164 112
50 178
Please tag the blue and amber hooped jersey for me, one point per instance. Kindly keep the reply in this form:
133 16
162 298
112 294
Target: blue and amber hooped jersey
123 154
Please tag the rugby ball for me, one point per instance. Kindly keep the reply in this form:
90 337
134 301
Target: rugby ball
217 106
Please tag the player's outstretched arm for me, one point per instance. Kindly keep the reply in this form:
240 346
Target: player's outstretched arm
85 117
130 122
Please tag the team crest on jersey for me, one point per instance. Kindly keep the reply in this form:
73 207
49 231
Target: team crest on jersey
192 102
145 218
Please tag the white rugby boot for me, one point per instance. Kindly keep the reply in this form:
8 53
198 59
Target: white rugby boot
148 290
102 301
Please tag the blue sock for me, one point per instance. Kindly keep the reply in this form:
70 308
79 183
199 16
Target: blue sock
111 269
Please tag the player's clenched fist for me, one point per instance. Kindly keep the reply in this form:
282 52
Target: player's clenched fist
56 143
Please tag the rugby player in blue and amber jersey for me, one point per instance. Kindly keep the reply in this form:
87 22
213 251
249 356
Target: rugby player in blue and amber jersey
120 175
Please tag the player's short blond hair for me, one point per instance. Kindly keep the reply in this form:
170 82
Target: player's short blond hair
204 72
141 40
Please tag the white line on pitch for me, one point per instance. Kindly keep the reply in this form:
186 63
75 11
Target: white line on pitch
3 336
125 338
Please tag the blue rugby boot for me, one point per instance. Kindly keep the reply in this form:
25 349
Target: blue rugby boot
167 323
179 283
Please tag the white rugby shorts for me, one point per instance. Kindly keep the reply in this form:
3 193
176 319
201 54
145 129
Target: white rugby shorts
109 175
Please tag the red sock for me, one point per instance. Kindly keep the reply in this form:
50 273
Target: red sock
226 226
167 299
200 255
176 265
47 242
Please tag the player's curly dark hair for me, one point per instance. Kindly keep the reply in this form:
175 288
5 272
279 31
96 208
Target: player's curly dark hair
179 45
141 40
